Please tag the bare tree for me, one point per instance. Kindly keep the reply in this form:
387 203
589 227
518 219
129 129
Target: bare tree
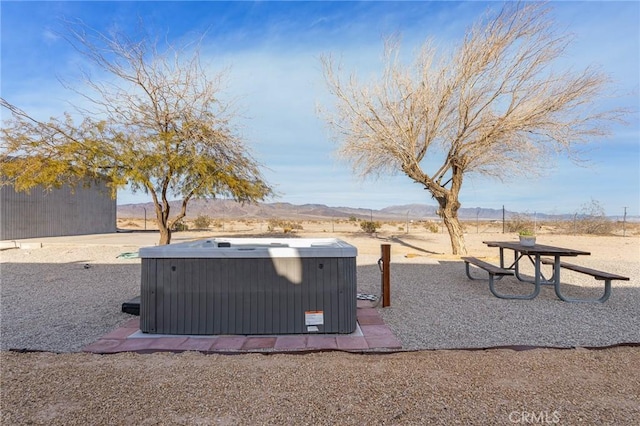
491 106
155 121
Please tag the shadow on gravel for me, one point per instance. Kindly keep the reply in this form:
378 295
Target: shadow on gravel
64 307
414 247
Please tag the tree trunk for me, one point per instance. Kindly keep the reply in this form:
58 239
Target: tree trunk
162 216
449 213
165 235
447 199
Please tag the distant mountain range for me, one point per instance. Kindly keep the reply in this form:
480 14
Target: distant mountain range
230 209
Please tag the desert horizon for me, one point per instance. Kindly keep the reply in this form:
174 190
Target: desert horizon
226 208
387 228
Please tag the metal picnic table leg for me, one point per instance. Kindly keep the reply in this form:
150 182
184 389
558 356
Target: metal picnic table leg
533 295
538 270
516 267
467 270
538 274
556 272
604 298
556 278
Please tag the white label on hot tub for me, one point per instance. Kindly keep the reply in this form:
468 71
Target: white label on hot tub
311 328
314 318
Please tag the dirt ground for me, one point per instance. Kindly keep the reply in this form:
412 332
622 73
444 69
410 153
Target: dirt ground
412 238
491 387
348 226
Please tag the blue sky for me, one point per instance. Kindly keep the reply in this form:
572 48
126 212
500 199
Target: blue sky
273 50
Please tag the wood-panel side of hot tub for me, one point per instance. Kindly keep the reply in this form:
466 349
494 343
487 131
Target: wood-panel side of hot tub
248 296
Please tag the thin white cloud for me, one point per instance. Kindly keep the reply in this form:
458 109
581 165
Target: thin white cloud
50 37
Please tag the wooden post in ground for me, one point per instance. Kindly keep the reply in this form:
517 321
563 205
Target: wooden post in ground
386 274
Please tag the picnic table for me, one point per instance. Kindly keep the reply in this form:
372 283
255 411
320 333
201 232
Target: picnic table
538 255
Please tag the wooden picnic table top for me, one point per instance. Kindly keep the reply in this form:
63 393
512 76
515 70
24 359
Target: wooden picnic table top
537 249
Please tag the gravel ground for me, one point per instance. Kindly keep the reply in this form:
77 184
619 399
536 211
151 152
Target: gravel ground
434 306
62 297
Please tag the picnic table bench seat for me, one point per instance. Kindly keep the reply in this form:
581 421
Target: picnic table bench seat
493 271
598 275
607 277
490 268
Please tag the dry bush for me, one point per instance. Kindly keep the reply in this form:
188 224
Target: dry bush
287 226
202 222
179 227
593 220
518 222
369 226
431 227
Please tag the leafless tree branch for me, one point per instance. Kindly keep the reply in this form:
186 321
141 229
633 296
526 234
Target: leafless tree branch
494 106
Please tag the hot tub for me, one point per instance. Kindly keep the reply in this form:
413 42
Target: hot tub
249 286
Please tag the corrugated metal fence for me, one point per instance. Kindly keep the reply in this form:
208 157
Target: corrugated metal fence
41 213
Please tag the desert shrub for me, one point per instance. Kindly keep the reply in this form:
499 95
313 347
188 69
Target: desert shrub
202 222
369 226
431 227
292 225
179 226
593 220
273 224
287 226
518 222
